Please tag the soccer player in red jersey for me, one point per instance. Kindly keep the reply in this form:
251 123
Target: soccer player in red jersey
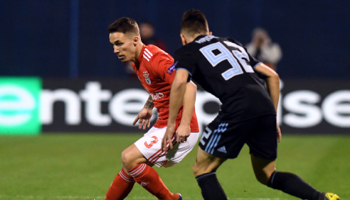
155 70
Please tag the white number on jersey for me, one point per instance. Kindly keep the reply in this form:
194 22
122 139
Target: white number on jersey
206 134
232 57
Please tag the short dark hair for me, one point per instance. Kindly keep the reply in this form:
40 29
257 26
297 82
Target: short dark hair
194 21
124 25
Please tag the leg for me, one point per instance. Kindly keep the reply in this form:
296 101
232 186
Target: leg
179 151
120 187
131 157
136 169
263 148
124 182
219 141
204 170
139 158
265 172
206 163
263 169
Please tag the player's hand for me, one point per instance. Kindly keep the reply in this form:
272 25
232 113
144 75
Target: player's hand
167 137
279 134
182 133
144 118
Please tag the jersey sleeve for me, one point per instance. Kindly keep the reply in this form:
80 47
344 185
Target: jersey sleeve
163 65
184 60
253 61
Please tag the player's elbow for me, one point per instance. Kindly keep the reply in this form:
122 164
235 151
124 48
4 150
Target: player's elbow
178 83
192 86
275 75
273 78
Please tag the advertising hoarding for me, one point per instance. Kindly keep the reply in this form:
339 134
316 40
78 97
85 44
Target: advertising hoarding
19 106
111 105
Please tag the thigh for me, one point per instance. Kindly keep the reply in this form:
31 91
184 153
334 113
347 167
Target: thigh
131 157
263 139
206 163
150 147
263 168
180 150
224 139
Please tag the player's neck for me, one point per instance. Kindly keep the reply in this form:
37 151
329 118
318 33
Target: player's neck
191 39
139 47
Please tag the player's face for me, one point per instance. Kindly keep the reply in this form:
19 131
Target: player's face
124 46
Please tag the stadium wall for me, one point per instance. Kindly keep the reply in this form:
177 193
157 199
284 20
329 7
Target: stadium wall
64 39
31 106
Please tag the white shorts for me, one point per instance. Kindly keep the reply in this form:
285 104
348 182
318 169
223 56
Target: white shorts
150 147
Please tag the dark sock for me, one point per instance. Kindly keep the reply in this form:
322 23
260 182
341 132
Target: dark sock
293 185
210 186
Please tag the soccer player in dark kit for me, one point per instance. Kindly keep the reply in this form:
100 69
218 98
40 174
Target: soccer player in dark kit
247 114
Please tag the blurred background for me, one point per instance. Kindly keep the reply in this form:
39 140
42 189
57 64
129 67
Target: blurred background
63 46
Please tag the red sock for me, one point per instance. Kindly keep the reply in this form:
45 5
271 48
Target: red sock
121 186
148 178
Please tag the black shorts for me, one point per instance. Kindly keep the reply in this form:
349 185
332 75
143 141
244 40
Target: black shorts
226 139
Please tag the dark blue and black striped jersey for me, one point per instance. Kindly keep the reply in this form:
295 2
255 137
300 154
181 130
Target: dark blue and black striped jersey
225 69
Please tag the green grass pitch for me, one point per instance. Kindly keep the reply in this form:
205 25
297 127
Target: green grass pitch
82 166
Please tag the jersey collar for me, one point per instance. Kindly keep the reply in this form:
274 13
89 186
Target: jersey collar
199 37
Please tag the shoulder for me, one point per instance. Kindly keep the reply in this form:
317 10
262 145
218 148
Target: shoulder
154 50
156 60
234 41
187 49
148 52
154 54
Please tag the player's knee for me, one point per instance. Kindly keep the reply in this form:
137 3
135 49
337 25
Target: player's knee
200 169
124 156
263 177
262 180
127 159
195 170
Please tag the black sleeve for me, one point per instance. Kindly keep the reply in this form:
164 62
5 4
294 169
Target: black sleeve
253 61
184 60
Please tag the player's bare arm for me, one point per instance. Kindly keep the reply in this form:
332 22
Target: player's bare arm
272 81
144 116
184 130
149 104
273 87
177 93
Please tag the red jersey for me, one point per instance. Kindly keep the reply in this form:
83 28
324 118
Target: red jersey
156 73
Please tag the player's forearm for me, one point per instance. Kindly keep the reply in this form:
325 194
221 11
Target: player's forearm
273 82
176 99
189 103
149 103
274 89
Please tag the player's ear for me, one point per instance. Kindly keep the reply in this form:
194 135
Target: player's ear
183 39
134 40
210 33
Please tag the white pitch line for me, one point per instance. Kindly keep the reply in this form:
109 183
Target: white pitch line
102 197
49 197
